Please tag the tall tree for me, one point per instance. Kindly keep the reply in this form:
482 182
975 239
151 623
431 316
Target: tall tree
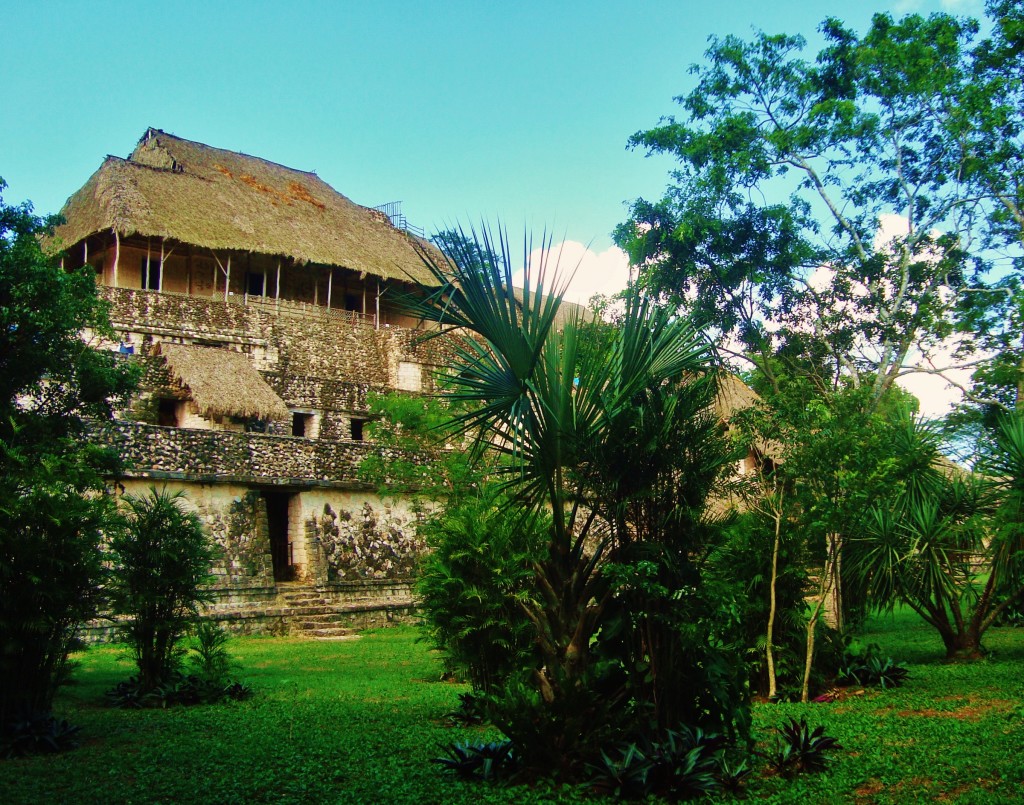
989 130
820 213
53 511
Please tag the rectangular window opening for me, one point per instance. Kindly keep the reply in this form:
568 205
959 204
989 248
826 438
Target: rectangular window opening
256 283
150 274
167 413
357 429
300 424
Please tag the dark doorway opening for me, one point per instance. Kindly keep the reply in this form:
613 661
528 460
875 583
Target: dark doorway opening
167 413
281 551
300 424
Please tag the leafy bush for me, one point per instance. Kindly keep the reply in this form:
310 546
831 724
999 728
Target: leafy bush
177 690
801 748
471 711
161 560
869 668
470 583
210 658
480 761
36 734
681 764
208 679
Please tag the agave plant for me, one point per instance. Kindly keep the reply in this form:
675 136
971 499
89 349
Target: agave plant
802 749
869 668
480 761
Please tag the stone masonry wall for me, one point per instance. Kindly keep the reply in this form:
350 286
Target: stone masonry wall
370 543
151 451
313 344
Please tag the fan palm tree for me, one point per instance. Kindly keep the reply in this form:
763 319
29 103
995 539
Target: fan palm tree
950 541
589 436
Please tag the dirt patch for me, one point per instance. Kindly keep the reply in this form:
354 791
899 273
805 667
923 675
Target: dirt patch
973 711
869 789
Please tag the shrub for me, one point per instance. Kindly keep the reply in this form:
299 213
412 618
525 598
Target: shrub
801 748
35 734
161 562
679 764
869 668
469 583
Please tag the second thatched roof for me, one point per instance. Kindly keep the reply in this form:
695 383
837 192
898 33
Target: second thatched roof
222 383
217 199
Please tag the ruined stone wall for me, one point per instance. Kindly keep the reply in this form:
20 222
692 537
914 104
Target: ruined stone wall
344 536
207 456
323 348
367 539
236 519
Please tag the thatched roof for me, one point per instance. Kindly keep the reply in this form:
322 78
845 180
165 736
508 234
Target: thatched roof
222 382
734 396
175 188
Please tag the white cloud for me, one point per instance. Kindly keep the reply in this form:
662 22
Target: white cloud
604 272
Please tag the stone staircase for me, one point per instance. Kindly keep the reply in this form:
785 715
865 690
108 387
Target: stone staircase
309 614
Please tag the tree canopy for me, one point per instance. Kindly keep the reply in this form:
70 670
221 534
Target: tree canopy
838 217
51 518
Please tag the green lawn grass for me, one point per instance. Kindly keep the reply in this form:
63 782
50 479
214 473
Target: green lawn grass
359 721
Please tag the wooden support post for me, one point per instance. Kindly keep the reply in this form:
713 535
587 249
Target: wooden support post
376 315
117 254
85 254
316 288
277 287
330 283
227 279
160 276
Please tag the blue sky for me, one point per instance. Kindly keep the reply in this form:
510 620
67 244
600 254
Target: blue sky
461 110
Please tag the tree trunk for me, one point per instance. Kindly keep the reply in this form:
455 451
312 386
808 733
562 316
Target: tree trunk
827 577
965 645
768 648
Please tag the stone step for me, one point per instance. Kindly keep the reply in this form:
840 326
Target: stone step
327 631
304 600
317 624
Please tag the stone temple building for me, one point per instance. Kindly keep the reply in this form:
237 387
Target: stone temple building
259 301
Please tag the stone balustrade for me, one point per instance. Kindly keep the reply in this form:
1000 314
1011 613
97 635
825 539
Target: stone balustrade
152 451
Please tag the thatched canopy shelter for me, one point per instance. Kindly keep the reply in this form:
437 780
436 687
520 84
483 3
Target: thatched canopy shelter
221 382
223 200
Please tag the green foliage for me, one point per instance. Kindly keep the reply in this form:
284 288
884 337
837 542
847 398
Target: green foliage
870 668
787 164
678 765
480 760
801 749
471 584
36 734
470 712
949 544
53 509
161 564
420 463
743 565
617 449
